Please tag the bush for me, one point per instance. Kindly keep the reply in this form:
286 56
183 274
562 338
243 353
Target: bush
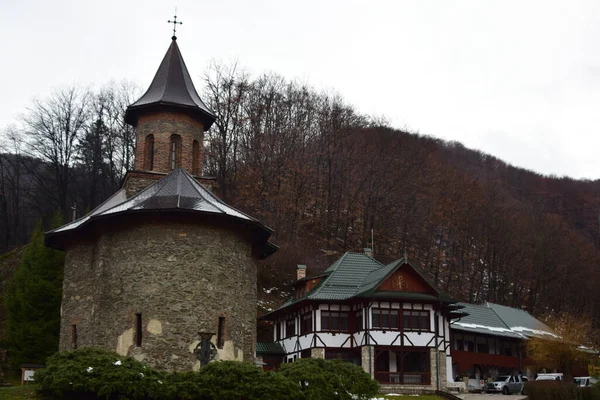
92 374
550 390
98 374
324 379
231 380
590 393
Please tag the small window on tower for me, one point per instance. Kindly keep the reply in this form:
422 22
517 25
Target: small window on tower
149 161
220 333
175 151
196 158
138 330
74 336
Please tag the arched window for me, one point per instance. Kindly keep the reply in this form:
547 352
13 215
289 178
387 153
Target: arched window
195 158
175 158
149 153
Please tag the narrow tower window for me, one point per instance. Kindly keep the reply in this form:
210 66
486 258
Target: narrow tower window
220 336
149 161
138 330
74 336
195 158
175 151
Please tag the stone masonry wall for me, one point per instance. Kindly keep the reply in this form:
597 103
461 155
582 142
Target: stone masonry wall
162 125
181 276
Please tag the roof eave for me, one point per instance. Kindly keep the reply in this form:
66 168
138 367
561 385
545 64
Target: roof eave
133 112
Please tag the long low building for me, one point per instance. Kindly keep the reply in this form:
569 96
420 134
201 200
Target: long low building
393 321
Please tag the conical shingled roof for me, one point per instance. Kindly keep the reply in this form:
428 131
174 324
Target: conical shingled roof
172 86
178 191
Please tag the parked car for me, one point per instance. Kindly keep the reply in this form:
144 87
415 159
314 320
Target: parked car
584 381
550 377
505 384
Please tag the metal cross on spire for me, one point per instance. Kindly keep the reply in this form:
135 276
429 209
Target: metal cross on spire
175 22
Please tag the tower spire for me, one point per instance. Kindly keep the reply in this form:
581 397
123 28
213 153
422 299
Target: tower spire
175 22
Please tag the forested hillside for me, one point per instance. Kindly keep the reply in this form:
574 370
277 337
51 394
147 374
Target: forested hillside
327 178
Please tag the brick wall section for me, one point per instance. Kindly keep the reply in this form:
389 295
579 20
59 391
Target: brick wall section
181 275
162 125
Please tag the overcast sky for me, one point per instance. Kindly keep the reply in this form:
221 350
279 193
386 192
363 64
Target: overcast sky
516 79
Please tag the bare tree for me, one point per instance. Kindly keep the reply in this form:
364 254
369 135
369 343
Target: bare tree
54 127
225 89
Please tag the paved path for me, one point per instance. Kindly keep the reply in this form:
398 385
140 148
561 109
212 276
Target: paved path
498 396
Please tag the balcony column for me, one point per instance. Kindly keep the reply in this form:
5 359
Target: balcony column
367 359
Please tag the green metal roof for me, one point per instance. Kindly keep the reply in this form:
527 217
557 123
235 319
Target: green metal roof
346 276
356 275
269 348
520 320
482 319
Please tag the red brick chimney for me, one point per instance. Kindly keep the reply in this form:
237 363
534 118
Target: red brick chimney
300 271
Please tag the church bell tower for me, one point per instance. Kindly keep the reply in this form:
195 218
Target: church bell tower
163 268
170 121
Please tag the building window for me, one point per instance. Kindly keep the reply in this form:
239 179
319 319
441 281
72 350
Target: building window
334 321
413 367
196 158
221 333
138 330
384 319
306 323
175 152
359 320
305 353
470 346
290 327
278 331
74 336
149 153
483 348
415 320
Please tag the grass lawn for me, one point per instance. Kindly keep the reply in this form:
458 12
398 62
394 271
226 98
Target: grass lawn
430 397
26 392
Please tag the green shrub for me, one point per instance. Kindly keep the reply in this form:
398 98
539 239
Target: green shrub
92 374
98 374
589 393
324 379
550 390
231 380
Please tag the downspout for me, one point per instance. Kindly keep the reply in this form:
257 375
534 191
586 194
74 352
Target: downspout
367 316
437 353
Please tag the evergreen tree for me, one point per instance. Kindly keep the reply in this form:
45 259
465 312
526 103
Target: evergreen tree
33 301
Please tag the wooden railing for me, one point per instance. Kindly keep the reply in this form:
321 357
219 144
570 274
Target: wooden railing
399 378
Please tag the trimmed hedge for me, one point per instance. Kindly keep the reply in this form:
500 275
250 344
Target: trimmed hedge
554 390
324 379
92 374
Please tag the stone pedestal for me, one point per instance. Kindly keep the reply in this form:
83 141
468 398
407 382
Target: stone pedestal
438 361
317 353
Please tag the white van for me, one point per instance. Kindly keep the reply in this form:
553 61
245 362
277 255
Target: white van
584 381
550 377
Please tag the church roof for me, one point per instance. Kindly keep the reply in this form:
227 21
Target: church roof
172 86
179 192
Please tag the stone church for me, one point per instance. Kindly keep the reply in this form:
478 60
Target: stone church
163 263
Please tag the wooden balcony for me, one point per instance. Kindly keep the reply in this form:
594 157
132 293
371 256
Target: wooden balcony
465 359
